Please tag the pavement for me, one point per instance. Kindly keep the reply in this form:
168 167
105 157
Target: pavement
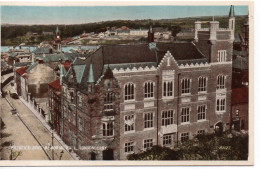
32 130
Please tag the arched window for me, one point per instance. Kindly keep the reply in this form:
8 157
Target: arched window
202 84
108 129
221 82
148 90
109 99
129 91
185 86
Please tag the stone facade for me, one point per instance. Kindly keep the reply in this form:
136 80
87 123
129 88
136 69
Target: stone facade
160 96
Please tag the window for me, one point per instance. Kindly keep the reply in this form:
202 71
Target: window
148 143
222 55
80 122
185 86
129 147
167 140
221 82
148 90
129 91
221 104
167 88
185 115
167 117
184 137
129 123
148 120
109 99
202 112
200 132
108 129
202 84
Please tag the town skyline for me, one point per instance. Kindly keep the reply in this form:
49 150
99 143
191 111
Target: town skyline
25 15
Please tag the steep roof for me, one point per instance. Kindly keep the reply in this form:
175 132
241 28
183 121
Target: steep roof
56 84
21 70
232 11
239 96
129 56
44 50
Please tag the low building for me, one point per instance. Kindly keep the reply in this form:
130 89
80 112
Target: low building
240 109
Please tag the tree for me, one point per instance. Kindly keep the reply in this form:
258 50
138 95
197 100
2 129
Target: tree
202 147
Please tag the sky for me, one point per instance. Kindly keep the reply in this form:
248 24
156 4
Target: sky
77 15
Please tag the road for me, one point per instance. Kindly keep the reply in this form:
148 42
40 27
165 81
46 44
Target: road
27 134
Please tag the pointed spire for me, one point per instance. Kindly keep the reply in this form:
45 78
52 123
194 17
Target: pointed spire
91 74
232 11
57 30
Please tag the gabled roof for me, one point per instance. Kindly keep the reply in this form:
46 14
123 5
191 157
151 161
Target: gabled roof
21 70
239 95
123 56
32 66
56 84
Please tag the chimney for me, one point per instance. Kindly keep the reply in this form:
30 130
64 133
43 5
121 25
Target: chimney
197 28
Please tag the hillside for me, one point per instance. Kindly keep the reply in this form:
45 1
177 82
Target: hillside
14 34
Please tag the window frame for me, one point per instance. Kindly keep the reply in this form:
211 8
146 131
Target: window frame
169 140
149 94
185 116
127 126
221 82
149 122
129 145
220 100
109 99
200 113
129 92
186 86
166 119
222 56
185 136
107 130
148 141
202 84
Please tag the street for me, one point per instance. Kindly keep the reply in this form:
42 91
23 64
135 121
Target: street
30 133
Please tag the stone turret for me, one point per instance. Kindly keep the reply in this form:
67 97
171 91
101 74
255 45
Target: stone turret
231 22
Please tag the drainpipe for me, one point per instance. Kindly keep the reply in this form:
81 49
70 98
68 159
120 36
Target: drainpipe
157 116
178 102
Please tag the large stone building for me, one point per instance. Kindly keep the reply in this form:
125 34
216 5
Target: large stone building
126 98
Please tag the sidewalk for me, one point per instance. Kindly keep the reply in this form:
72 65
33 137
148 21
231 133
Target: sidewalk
45 124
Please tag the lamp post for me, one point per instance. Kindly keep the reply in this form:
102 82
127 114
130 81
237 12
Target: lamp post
52 144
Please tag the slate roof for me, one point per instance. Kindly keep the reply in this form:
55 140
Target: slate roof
59 57
21 64
32 66
240 63
123 56
56 84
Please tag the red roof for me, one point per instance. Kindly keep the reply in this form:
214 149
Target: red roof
239 95
66 65
56 85
21 70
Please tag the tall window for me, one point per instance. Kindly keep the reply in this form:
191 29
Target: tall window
109 101
222 56
148 120
148 143
129 91
185 86
167 88
184 137
221 82
129 147
202 112
167 117
108 129
167 140
148 90
221 104
202 84
185 115
129 123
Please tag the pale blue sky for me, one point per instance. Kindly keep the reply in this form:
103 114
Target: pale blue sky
78 15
